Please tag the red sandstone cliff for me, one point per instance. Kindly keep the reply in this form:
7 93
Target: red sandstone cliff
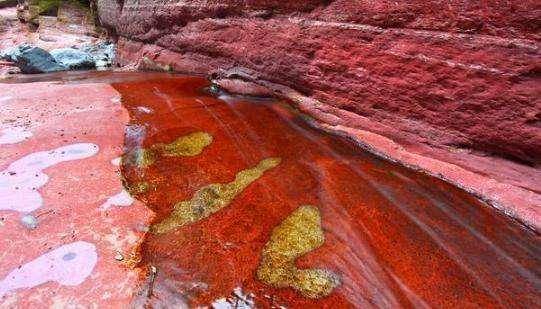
458 80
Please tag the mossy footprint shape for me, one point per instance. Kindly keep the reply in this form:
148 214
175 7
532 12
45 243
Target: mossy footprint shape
297 235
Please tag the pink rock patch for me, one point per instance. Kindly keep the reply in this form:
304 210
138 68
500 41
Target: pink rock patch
14 135
123 199
67 265
19 183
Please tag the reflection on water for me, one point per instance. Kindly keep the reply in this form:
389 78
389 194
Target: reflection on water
377 235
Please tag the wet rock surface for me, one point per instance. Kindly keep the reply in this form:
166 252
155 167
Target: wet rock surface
329 226
57 244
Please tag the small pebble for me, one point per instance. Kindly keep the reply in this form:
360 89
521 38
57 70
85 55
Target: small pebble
119 256
214 88
142 228
29 221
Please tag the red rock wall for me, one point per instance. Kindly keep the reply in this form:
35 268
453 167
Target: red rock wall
450 74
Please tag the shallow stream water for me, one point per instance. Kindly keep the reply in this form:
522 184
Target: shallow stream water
375 234
256 207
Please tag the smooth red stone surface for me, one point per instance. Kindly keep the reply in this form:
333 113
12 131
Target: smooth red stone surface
59 114
396 237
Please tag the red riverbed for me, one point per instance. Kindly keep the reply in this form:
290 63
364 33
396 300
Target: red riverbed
393 237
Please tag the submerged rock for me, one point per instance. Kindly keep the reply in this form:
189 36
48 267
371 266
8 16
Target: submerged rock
73 59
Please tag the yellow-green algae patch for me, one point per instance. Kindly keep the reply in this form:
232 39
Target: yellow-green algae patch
212 198
297 235
184 146
137 188
188 145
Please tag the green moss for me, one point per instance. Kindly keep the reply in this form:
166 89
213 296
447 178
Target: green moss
45 6
50 6
189 145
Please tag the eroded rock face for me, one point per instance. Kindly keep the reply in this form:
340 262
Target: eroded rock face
449 75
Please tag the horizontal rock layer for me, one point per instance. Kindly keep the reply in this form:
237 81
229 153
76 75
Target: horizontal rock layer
457 81
457 75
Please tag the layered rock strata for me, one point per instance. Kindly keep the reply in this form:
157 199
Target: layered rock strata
450 88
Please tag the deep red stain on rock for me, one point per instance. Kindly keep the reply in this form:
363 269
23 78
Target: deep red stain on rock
396 237
447 74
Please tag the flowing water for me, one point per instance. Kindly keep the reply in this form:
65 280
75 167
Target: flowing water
254 207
